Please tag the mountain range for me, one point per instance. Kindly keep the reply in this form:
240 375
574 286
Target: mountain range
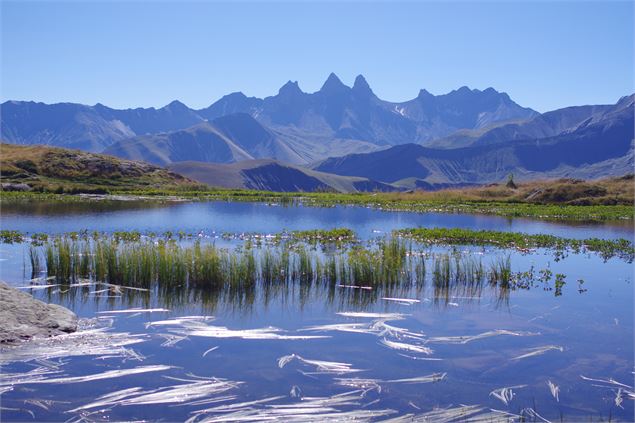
600 143
334 120
464 137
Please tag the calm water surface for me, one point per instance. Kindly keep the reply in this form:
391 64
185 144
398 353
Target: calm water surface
528 337
239 217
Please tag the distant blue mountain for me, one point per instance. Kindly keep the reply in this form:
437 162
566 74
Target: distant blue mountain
354 115
339 111
91 128
466 136
598 146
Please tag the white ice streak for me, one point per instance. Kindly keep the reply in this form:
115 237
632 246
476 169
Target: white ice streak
179 321
171 340
380 328
443 415
375 327
375 384
403 301
196 326
555 390
44 404
322 367
365 384
120 287
175 394
384 329
8 380
434 377
469 338
533 414
610 383
37 286
368 288
135 310
383 316
342 327
210 350
618 398
260 333
99 342
505 394
226 408
306 409
402 346
38 377
539 351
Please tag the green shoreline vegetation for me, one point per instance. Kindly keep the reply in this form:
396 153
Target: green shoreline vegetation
39 173
606 248
165 264
342 238
379 201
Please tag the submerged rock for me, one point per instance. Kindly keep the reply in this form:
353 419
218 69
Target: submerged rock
23 317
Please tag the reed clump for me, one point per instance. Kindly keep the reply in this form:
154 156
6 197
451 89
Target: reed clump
456 269
139 262
167 264
34 258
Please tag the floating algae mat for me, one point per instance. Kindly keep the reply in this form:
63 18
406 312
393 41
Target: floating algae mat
252 313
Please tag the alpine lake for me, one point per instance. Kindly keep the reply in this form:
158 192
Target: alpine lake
237 311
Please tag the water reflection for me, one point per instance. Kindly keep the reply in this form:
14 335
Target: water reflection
71 208
236 217
245 299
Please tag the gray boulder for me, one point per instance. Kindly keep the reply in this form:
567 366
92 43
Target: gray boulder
24 317
10 186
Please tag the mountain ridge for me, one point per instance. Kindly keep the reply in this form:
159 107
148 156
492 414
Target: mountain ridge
336 111
597 147
272 175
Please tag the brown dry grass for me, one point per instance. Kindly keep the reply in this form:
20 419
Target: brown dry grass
610 191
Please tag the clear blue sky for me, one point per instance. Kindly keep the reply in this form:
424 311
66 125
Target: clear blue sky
545 54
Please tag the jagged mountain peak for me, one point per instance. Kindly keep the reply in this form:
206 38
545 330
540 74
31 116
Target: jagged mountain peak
290 88
423 94
176 105
336 111
333 84
361 86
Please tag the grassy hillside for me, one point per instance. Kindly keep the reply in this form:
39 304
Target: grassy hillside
609 191
61 170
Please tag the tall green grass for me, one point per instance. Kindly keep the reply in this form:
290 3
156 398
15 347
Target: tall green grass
167 264
34 258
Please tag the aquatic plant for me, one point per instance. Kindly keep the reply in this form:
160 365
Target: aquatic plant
388 264
337 239
34 258
501 272
10 237
607 249
559 284
336 236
